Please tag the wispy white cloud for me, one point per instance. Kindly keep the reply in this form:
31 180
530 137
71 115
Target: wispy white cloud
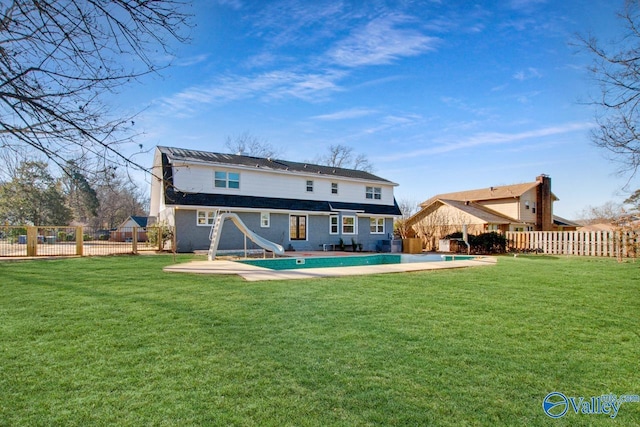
192 60
525 4
352 113
234 4
267 86
392 121
529 73
525 98
491 138
380 41
304 22
263 60
464 106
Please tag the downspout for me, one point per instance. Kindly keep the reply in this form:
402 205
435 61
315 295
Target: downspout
465 238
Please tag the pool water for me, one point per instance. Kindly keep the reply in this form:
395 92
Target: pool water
293 263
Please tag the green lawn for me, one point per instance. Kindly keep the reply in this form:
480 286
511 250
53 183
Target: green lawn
114 340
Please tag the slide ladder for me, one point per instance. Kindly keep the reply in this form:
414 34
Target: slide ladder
216 230
214 235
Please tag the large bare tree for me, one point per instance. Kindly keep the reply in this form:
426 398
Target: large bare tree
616 70
342 156
60 59
250 145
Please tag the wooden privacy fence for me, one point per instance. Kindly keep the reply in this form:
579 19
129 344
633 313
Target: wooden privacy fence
31 241
624 243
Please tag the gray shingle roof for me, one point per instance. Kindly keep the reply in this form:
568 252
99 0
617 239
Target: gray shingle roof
181 154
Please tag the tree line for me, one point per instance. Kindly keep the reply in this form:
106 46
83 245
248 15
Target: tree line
32 195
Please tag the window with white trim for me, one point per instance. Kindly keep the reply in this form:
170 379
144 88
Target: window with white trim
333 224
376 225
373 193
309 186
224 179
205 217
334 188
349 225
265 219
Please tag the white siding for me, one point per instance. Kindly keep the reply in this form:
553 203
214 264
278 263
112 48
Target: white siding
267 183
157 200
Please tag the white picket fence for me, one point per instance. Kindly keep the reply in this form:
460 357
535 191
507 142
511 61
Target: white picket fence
588 243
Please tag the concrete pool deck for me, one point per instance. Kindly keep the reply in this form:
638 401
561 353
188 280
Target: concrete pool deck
253 273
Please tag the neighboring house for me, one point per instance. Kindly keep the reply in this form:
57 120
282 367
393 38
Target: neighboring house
518 207
124 232
300 206
629 221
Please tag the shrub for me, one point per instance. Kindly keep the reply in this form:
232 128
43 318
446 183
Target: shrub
159 233
485 243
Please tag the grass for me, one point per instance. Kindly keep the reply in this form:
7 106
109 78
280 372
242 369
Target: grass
114 340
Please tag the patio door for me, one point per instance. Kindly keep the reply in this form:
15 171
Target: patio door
298 227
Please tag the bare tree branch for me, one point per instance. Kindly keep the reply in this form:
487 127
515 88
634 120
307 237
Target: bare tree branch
59 58
616 71
341 156
250 145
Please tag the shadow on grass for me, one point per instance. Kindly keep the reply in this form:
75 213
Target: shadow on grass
540 257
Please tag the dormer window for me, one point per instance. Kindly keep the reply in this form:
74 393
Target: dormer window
373 193
226 179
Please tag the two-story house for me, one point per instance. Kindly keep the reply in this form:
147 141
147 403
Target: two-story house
300 206
517 207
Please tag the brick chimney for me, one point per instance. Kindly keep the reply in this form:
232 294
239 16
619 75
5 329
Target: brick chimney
544 211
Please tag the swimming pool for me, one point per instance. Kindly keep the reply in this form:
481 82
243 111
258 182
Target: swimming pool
293 263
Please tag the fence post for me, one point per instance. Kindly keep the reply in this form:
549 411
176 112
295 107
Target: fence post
134 240
32 241
79 241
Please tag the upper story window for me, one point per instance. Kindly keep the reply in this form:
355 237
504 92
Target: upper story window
227 179
309 186
374 193
530 205
334 188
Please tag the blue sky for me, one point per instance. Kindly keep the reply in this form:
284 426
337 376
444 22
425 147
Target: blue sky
441 96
